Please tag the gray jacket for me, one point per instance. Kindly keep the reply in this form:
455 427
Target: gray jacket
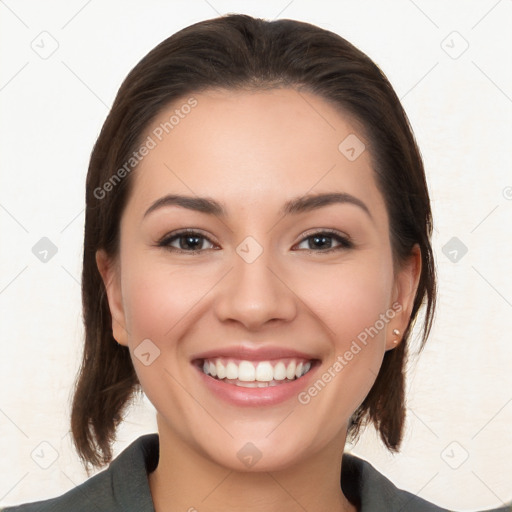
124 487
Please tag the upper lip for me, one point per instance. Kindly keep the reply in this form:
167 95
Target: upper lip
251 353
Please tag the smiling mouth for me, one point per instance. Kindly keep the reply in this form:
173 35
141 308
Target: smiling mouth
255 374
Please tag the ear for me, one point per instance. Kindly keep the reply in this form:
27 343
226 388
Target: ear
109 270
404 292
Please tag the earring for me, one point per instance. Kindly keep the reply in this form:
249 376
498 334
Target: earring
396 332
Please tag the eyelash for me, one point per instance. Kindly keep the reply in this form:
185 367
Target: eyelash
344 242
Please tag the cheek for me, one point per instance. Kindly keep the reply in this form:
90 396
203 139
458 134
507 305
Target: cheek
157 297
351 297
160 303
354 303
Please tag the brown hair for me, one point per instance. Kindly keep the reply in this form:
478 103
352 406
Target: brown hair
241 52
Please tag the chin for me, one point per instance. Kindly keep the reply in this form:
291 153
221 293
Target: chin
249 458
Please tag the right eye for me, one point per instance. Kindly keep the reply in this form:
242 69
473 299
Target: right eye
186 241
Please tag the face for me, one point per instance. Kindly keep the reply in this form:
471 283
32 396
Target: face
257 316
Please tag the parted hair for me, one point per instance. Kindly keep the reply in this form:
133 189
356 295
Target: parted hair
239 52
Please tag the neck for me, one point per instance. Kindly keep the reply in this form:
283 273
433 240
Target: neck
185 480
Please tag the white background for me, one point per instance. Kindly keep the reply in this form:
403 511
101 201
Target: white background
460 388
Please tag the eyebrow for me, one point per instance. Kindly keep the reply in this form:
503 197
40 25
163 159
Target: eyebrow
295 206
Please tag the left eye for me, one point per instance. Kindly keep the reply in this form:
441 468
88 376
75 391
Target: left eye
323 242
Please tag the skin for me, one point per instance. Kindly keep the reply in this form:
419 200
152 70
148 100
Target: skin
252 152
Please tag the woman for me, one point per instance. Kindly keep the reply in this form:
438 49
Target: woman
257 250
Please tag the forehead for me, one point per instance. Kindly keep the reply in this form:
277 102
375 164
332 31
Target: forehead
245 147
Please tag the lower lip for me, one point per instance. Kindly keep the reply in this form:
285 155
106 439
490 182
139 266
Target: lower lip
256 397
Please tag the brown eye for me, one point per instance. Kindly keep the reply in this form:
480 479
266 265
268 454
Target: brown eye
186 241
325 241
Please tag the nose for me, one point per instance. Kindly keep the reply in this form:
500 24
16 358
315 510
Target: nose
254 293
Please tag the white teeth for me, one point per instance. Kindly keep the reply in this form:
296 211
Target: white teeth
290 371
246 372
231 371
221 370
261 374
264 372
254 384
247 384
279 371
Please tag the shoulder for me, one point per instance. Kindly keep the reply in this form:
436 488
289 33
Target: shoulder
92 495
371 490
122 487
